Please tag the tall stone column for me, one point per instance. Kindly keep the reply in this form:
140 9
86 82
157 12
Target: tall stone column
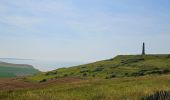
143 49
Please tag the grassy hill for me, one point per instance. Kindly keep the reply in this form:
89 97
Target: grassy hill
120 66
125 88
132 77
14 70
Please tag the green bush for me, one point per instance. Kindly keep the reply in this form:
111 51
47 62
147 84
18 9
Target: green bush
138 74
98 69
134 60
51 73
110 76
43 80
83 71
93 75
84 74
65 75
83 67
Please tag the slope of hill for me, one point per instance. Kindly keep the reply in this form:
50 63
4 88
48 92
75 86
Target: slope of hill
14 70
120 66
126 88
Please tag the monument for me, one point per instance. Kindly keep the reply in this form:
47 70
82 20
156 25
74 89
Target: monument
143 49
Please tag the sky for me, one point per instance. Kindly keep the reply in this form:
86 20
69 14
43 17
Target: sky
82 30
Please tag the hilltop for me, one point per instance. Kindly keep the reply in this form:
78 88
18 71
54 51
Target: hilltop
119 66
133 77
15 70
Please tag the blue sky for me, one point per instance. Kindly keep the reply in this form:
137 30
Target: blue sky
82 30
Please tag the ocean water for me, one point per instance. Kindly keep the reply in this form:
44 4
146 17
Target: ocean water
43 65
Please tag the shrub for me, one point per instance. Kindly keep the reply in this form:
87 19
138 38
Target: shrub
106 77
83 67
134 60
160 71
71 73
43 80
93 75
84 74
165 71
126 74
110 76
138 74
65 75
83 71
98 69
168 56
51 73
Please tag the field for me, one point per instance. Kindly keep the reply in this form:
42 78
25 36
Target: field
125 77
127 88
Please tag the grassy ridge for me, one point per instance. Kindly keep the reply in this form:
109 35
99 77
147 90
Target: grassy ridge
120 66
13 70
125 88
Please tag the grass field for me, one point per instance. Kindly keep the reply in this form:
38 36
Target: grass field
120 66
125 77
127 88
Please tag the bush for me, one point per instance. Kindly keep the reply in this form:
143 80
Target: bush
83 67
126 74
71 73
110 76
84 74
65 75
83 71
93 75
51 73
134 60
106 77
43 80
165 71
98 69
156 72
168 56
138 74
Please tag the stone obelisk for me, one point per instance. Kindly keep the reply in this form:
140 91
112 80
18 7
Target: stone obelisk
143 49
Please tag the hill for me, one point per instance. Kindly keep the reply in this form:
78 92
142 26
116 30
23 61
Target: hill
14 70
120 66
132 77
126 88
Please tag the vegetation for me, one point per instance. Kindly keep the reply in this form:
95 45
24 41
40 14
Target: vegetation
120 66
126 88
14 70
125 77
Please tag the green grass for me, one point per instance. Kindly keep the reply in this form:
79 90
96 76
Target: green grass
6 75
120 66
125 88
11 71
125 77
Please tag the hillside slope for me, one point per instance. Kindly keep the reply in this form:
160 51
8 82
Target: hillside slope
14 70
120 66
